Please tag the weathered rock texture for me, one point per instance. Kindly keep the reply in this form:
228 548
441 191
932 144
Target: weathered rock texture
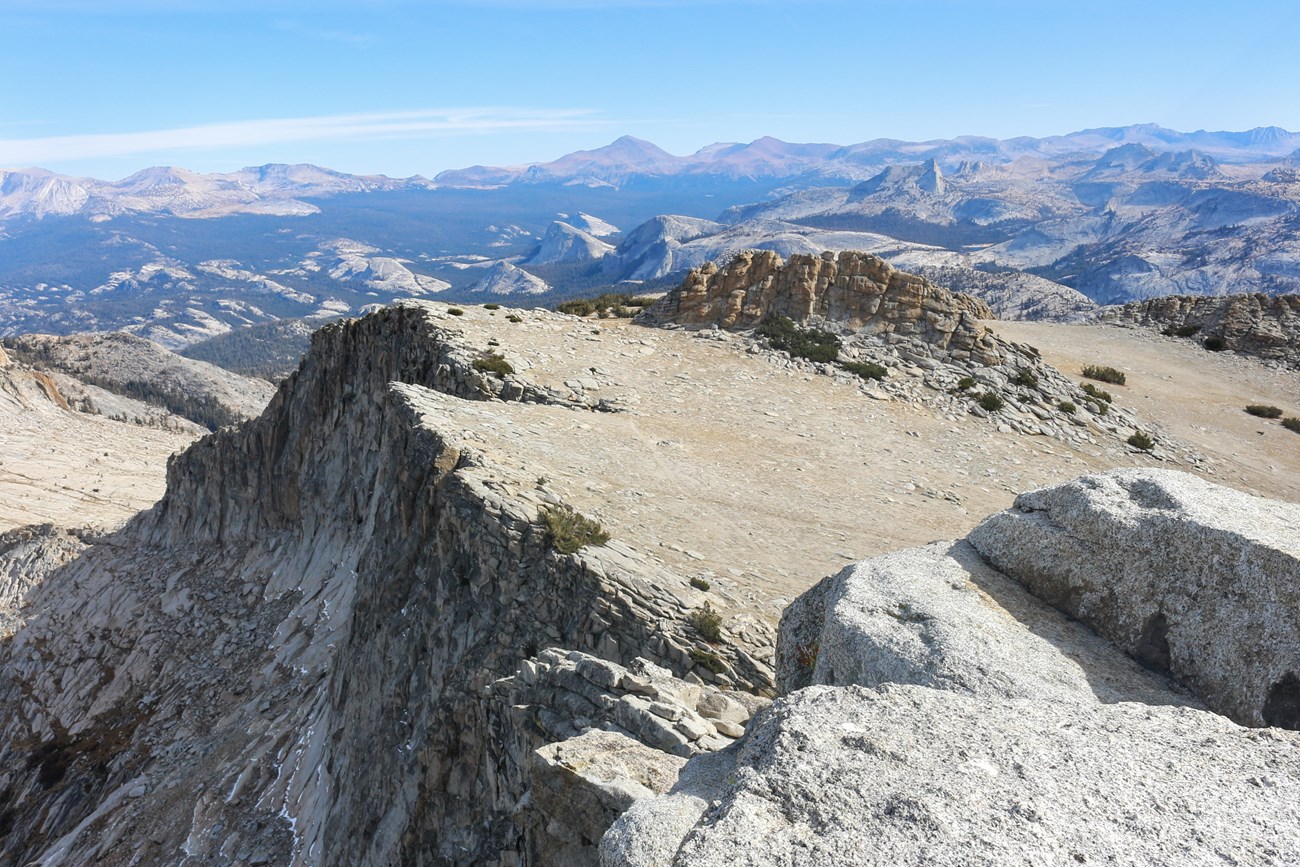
1189 577
934 711
853 290
141 369
940 617
1265 326
28 555
904 775
593 737
289 660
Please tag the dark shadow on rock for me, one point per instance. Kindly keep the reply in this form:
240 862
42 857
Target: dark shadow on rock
1112 675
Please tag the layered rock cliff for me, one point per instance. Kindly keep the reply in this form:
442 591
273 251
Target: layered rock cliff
289 659
1264 326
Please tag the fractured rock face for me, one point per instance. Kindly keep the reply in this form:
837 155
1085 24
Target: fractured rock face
1188 577
1265 326
591 737
853 290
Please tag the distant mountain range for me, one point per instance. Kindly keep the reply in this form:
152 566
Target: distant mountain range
1038 226
629 159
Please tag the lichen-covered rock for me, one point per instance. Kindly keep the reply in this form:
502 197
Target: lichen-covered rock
1190 577
906 775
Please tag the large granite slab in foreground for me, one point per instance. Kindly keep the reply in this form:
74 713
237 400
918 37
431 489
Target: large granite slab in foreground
906 775
1187 576
936 711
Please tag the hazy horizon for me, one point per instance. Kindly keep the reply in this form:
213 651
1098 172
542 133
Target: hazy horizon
400 88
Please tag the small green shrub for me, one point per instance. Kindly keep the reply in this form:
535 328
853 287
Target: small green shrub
866 369
1067 407
710 661
1264 411
1096 393
567 530
494 363
491 305
700 583
1026 377
810 343
1181 331
1291 423
1142 441
513 318
991 402
455 311
1215 344
966 383
609 304
1104 374
707 622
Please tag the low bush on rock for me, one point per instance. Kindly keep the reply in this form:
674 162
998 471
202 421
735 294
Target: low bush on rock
966 383
990 401
567 530
513 318
1142 441
707 622
494 363
810 343
455 311
1096 393
1291 423
707 660
1067 407
491 305
609 304
700 583
1026 377
866 369
1104 374
1264 411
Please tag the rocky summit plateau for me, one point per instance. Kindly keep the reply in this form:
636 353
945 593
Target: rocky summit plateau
807 564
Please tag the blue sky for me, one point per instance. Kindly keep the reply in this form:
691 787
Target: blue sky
103 88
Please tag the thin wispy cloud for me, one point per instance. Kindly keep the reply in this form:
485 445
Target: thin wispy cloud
432 123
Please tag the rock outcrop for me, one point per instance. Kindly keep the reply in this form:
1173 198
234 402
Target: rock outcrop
565 243
503 278
934 711
852 290
290 659
1213 598
140 369
902 324
1263 326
